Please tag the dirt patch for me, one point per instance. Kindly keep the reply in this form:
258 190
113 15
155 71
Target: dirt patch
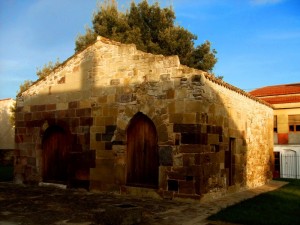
34 205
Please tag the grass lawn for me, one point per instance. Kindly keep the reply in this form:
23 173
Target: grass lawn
281 206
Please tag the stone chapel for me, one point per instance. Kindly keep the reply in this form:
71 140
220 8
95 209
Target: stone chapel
113 118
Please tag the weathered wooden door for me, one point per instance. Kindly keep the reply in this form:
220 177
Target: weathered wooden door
55 155
142 152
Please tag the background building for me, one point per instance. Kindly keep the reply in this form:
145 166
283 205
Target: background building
7 139
285 99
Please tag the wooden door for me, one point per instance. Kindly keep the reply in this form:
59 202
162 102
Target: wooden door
142 152
55 155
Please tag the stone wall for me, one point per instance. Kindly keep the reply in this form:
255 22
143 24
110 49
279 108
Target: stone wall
212 137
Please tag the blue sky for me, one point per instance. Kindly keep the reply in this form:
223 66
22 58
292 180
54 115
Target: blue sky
258 41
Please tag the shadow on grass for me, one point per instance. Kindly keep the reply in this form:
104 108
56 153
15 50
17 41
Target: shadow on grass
281 206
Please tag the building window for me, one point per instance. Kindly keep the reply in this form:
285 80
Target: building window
275 123
294 123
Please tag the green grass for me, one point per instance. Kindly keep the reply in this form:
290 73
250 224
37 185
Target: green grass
6 173
281 206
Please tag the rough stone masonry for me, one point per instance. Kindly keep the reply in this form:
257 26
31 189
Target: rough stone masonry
113 118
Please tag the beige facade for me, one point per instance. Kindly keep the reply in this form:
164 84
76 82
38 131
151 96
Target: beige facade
287 140
285 99
7 131
112 106
289 132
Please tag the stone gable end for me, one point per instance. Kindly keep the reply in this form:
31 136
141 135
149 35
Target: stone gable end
206 137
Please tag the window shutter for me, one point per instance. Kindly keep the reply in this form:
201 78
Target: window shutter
294 119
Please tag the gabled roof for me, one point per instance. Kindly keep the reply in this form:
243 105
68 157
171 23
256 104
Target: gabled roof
278 94
284 89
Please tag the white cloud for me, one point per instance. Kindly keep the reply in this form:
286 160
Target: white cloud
265 2
281 35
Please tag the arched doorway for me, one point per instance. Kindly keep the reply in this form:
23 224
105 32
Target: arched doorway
55 147
142 152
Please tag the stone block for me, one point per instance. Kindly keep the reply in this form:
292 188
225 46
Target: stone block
213 139
21 130
170 94
165 155
163 136
189 118
194 171
178 175
98 145
187 128
173 185
110 129
178 160
104 154
27 116
108 145
36 116
99 121
41 108
31 161
98 129
83 112
194 138
102 99
181 93
186 187
109 120
20 116
48 115
86 121
85 104
193 106
111 98
73 105
125 98
176 118
114 82
110 111
51 107
188 159
103 173
192 148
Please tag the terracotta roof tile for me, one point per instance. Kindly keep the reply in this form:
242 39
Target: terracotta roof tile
284 89
282 99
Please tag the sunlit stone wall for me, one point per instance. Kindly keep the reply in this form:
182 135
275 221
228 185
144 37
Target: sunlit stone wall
213 138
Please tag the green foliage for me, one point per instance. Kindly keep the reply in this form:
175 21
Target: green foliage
41 73
151 29
202 57
47 69
82 41
24 86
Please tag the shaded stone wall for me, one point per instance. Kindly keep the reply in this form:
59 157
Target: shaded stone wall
212 137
